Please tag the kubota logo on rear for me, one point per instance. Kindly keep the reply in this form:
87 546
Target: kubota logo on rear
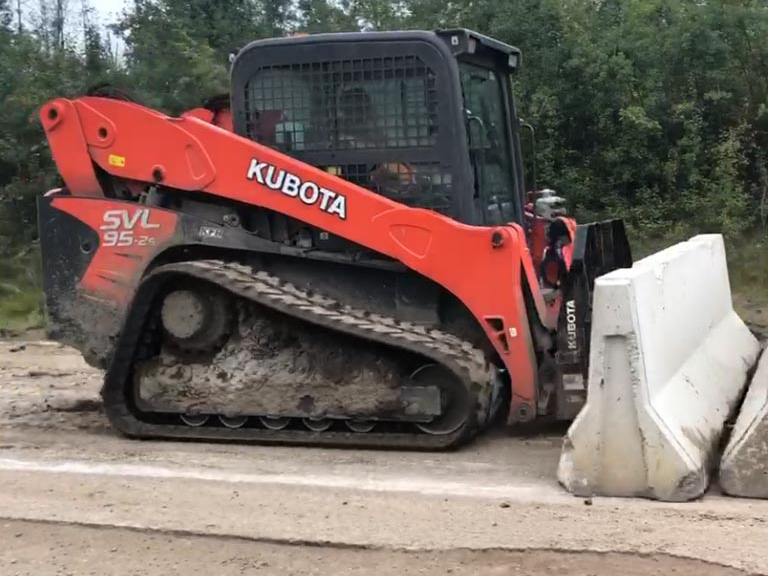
291 185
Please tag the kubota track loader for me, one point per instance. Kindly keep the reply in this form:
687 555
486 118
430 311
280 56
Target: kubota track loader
341 252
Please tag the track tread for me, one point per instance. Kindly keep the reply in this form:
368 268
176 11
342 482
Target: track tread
464 359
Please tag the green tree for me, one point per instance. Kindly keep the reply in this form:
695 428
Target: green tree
316 16
654 110
168 66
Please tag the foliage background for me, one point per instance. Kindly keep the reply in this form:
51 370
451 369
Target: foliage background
652 110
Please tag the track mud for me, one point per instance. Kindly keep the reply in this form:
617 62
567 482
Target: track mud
89 325
278 367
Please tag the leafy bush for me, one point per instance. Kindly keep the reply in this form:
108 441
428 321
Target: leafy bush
651 110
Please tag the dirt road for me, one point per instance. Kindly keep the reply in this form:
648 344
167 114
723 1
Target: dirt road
41 549
75 498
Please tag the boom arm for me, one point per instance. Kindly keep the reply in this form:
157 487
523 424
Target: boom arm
481 266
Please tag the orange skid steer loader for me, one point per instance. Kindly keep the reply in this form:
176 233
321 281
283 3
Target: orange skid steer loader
340 252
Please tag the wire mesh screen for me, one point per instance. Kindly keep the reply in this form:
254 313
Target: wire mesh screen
423 184
347 104
386 104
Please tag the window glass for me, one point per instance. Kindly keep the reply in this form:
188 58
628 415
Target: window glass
490 152
349 104
388 105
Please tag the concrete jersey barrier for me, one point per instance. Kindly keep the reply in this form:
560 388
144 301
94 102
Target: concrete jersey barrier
744 467
669 358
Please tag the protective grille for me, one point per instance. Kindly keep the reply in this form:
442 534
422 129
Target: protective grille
361 104
422 184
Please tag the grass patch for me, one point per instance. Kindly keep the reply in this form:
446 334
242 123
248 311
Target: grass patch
20 309
747 268
21 299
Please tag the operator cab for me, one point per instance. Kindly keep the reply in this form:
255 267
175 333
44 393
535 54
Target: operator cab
425 118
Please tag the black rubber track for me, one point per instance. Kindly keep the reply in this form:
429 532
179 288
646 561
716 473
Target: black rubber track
460 357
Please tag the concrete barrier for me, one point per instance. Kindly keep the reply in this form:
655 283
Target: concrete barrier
668 362
744 467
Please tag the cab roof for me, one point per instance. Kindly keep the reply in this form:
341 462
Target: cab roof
459 41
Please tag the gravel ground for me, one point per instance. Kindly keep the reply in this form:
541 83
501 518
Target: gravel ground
41 549
75 498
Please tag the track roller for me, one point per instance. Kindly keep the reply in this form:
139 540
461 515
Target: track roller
274 422
233 421
317 424
361 426
194 420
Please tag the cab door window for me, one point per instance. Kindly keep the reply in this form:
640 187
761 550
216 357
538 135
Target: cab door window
489 146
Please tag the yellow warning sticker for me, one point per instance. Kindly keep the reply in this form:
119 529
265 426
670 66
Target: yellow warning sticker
115 160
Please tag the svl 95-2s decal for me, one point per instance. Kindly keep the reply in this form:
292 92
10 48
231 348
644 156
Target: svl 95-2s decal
120 226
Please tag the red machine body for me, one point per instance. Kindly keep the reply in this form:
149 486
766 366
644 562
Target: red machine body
190 153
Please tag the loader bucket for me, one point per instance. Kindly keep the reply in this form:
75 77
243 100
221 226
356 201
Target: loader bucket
599 248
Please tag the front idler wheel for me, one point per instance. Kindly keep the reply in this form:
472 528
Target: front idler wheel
454 410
